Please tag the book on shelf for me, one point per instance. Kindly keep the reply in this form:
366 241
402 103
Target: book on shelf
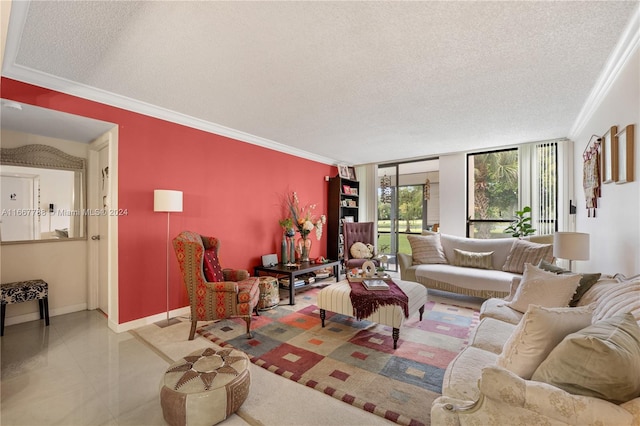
375 285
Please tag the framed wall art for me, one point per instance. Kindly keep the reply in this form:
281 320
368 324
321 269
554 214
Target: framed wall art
352 173
609 155
343 172
625 154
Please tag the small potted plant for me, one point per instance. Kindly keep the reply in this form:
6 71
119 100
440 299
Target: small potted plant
521 226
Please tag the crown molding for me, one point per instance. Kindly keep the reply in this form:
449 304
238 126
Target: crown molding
30 76
626 46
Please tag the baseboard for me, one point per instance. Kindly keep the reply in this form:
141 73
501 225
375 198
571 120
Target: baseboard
141 322
34 316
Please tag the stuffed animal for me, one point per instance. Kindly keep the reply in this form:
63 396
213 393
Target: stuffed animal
361 251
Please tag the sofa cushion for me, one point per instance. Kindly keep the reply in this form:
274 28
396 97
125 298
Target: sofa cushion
471 278
614 297
539 331
543 288
608 351
470 259
426 249
497 308
523 252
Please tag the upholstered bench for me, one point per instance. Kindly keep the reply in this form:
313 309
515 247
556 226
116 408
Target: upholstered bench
335 298
205 387
24 291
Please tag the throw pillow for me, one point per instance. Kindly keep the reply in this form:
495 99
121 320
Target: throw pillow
537 333
586 282
212 269
360 250
470 259
539 287
426 249
550 267
523 251
601 361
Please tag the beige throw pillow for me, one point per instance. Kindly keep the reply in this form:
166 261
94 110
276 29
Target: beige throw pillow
470 259
542 288
537 333
523 251
601 361
426 249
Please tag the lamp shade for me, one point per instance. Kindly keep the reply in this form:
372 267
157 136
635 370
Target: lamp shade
571 245
166 200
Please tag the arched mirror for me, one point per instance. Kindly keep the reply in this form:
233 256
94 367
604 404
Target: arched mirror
43 195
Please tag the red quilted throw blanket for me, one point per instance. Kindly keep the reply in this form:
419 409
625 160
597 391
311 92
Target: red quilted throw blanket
366 302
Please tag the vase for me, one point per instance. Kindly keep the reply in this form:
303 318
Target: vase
303 248
291 245
284 250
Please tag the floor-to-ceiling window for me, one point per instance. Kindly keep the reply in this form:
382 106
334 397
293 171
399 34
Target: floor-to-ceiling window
504 181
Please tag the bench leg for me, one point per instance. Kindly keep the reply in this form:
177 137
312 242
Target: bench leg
396 334
323 314
421 310
45 303
3 307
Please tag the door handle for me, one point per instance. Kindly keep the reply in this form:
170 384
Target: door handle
95 237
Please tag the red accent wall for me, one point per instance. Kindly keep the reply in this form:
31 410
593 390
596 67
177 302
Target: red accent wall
232 190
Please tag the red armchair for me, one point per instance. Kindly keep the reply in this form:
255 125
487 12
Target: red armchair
235 294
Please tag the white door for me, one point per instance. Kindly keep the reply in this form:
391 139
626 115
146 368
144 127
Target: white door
103 226
99 189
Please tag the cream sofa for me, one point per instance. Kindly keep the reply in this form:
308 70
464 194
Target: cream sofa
485 283
476 391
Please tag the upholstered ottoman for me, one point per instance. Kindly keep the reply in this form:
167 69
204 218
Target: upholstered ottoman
269 293
205 387
335 298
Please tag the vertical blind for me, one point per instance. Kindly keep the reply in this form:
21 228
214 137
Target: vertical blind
545 187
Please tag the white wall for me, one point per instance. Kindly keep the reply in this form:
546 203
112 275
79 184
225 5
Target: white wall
453 192
62 264
615 230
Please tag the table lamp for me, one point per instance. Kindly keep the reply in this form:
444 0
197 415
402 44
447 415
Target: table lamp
571 246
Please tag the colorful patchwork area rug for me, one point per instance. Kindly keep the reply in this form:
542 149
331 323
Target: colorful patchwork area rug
354 361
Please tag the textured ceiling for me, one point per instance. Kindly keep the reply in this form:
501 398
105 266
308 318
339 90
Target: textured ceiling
344 82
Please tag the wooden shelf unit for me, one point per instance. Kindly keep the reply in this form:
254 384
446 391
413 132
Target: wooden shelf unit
340 205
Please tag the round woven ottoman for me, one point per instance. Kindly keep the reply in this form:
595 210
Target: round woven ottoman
269 293
205 387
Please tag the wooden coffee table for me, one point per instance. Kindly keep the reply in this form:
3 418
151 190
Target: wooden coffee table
293 272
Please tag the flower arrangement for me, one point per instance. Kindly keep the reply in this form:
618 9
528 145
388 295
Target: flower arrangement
302 218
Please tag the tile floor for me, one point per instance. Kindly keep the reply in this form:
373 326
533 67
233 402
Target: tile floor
77 372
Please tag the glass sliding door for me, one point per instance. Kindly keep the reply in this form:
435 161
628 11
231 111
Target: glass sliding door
408 203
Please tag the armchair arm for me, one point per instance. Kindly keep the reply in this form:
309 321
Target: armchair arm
405 261
505 397
224 286
549 401
235 274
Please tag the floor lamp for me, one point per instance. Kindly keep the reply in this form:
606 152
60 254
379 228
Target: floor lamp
166 200
571 246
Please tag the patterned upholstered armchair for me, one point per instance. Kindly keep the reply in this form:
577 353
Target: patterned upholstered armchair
358 232
227 293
